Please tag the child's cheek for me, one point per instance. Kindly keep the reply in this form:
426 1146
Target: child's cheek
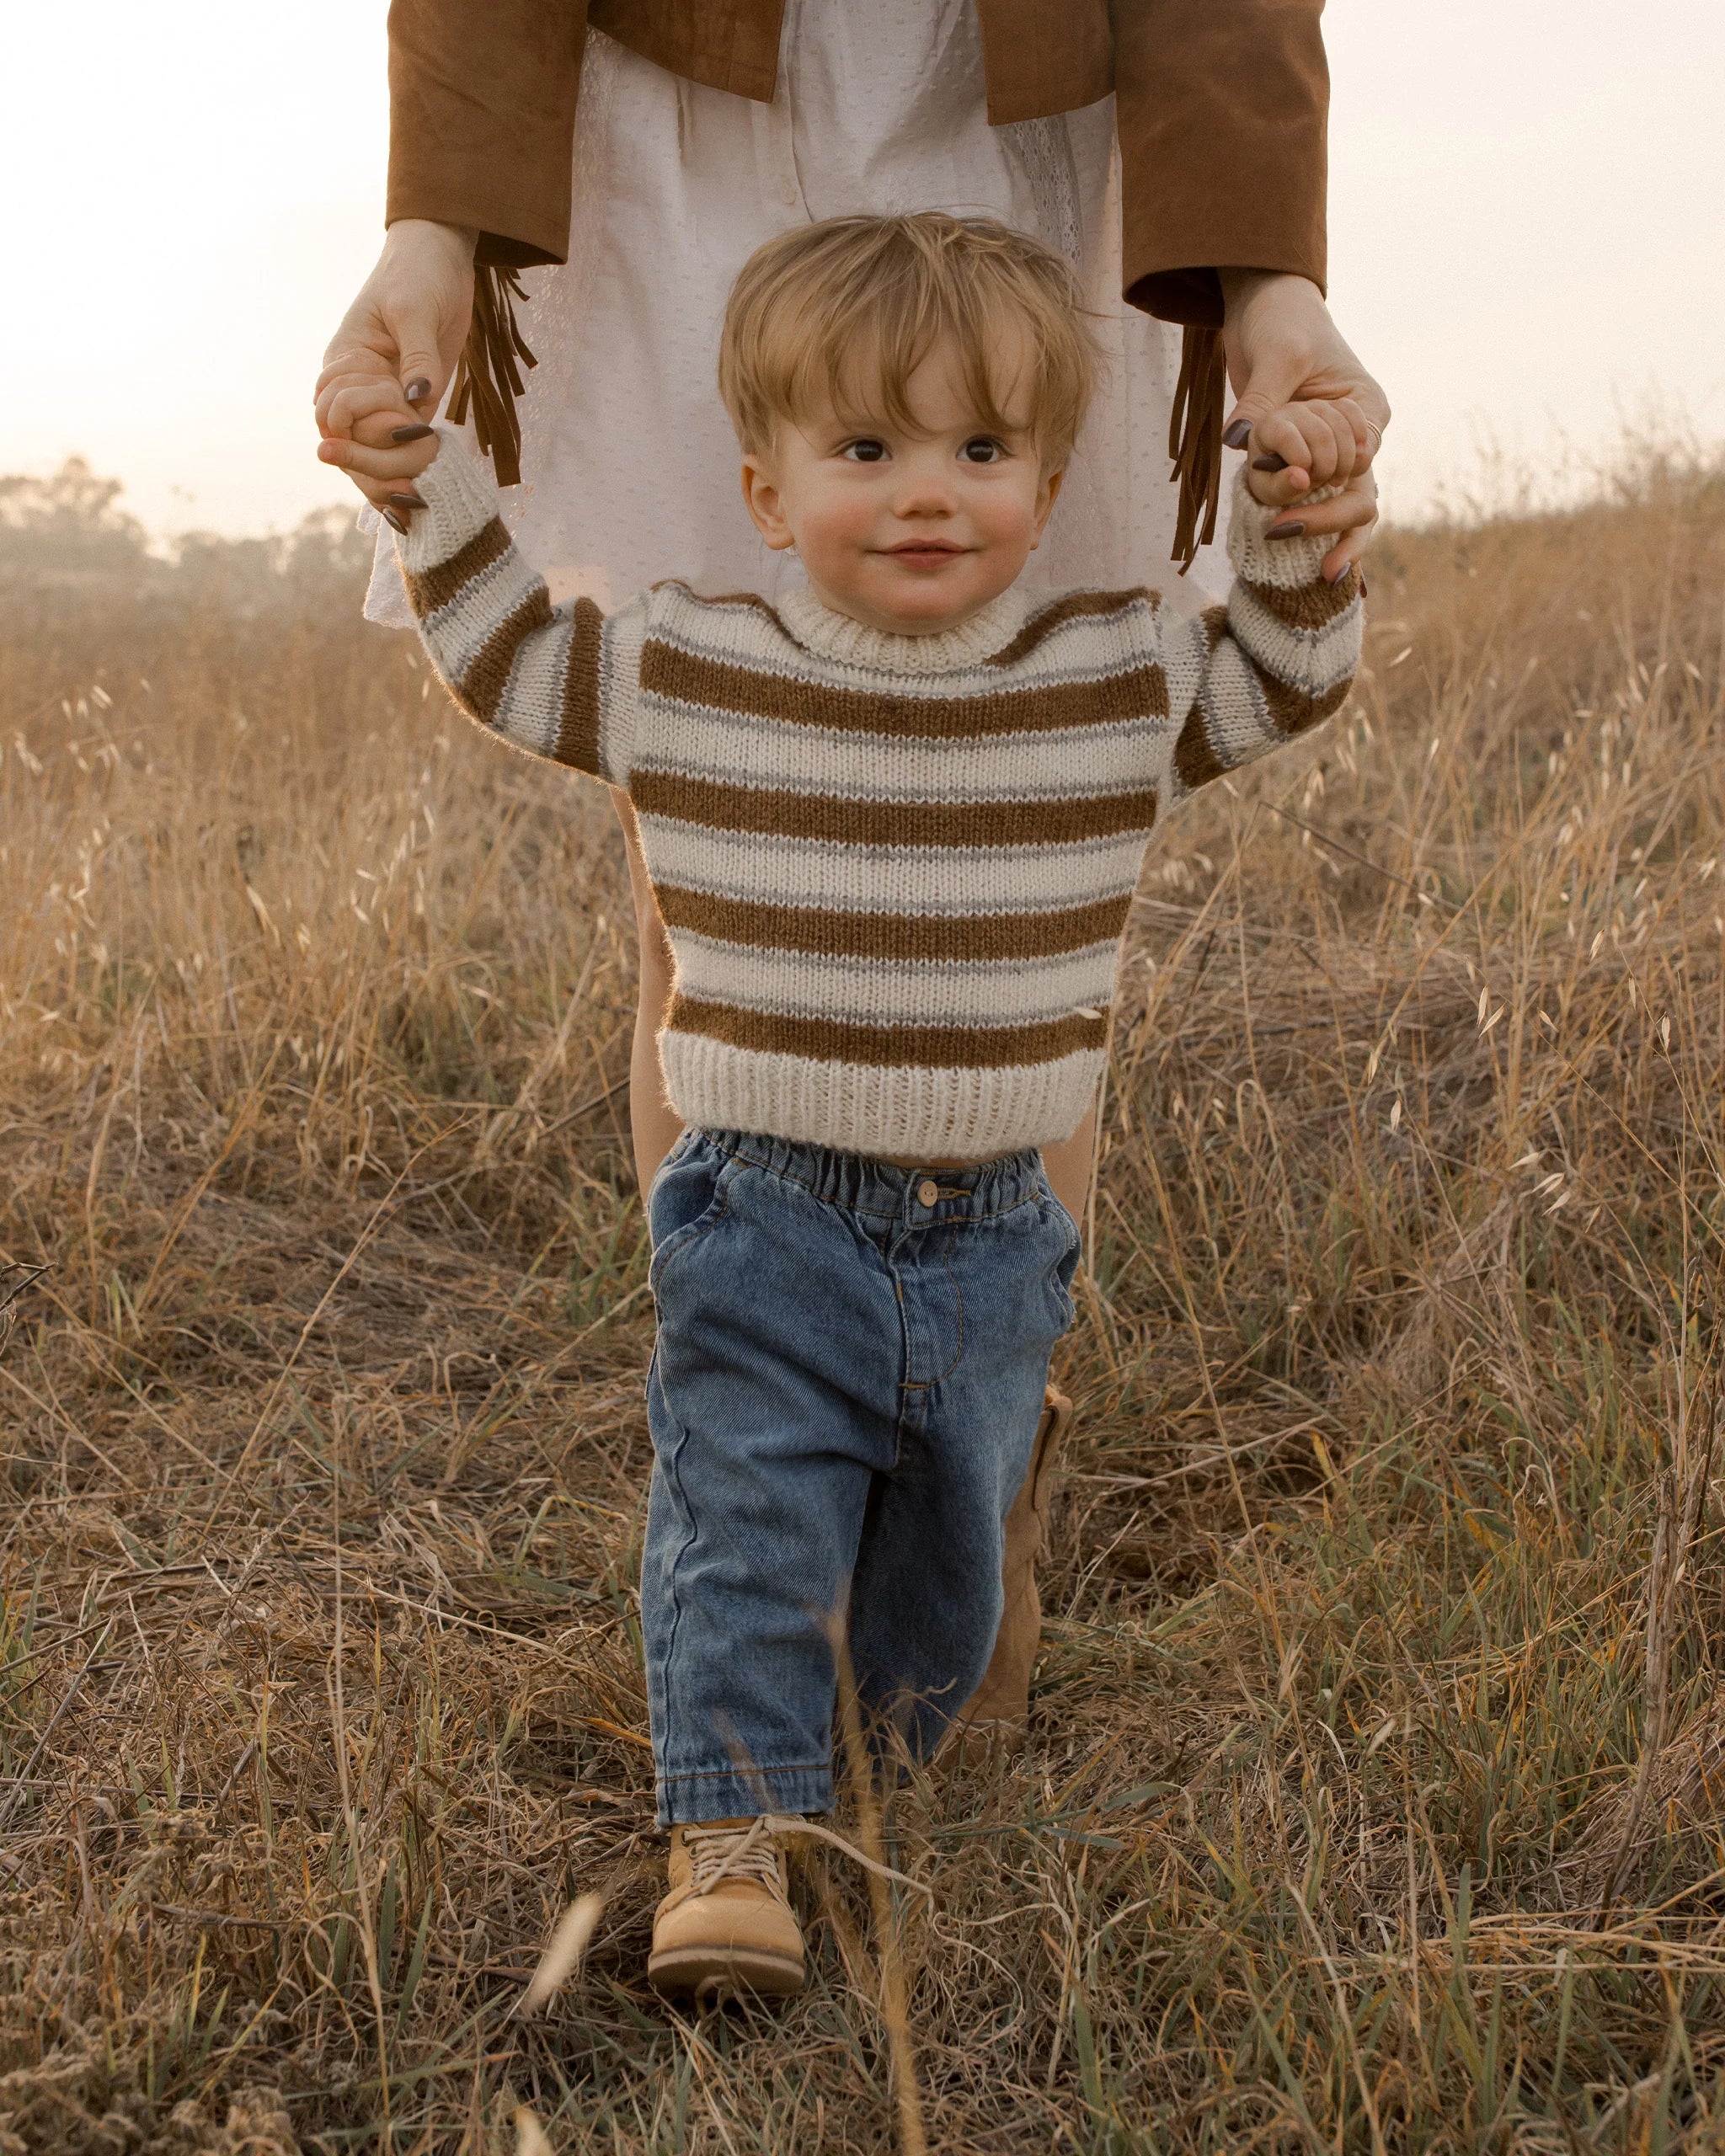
836 531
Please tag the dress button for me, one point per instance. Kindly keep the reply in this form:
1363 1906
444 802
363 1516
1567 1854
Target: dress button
928 1194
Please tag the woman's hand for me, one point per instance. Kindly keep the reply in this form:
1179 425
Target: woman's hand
1282 348
390 362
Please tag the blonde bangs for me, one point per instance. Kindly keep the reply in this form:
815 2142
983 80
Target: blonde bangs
843 313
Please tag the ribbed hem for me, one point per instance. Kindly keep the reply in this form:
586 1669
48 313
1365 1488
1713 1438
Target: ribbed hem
693 1798
893 1111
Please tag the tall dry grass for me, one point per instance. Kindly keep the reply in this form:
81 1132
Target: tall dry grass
1375 1795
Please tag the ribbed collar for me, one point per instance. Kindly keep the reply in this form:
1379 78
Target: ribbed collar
942 651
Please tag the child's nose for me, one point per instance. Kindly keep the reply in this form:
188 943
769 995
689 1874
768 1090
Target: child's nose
926 493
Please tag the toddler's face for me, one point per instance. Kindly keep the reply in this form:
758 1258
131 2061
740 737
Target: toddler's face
912 531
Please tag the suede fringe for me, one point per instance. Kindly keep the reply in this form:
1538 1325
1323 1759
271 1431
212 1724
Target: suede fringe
487 376
1195 440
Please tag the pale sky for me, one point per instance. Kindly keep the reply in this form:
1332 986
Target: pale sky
1527 214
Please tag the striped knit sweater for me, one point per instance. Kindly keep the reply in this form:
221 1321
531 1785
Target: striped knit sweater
894 870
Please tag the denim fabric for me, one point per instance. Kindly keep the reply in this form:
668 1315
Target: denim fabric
843 1399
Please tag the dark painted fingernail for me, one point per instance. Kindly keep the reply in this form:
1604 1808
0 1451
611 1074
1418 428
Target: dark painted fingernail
416 432
417 389
1340 574
396 523
1285 531
408 501
1270 463
1238 435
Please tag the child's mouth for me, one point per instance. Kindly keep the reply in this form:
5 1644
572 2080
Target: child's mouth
925 554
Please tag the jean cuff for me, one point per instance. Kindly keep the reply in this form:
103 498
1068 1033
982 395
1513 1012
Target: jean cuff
689 1800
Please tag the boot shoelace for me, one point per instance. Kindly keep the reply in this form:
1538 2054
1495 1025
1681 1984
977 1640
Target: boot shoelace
717 1853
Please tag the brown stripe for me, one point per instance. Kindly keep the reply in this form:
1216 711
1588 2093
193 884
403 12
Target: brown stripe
1194 759
1291 710
928 1048
751 600
433 588
833 933
1216 624
481 687
578 733
1307 606
840 822
683 677
1075 606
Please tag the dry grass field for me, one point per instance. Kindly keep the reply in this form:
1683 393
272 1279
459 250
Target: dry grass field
1378 1774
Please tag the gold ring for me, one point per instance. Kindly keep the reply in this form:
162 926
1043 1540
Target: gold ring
1377 434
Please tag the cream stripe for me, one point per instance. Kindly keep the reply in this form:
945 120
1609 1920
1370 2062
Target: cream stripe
739 751
891 879
1313 662
1239 724
455 634
1185 660
619 686
894 991
531 714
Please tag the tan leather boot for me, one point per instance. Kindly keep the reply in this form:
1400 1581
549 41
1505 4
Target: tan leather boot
998 1711
726 1924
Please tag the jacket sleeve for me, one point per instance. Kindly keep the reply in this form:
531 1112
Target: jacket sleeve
1222 108
555 681
1278 659
481 117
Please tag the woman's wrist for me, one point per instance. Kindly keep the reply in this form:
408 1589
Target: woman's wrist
1241 287
417 232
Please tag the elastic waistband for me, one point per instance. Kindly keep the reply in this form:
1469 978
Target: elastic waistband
916 1196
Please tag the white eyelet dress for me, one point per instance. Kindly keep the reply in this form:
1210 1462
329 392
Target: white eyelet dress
629 467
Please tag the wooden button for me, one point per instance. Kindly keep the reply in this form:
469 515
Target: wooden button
928 1194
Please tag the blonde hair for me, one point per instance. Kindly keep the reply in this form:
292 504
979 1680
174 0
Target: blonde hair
851 309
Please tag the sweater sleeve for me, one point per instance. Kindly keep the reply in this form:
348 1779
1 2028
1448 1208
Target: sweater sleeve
482 115
553 680
1222 108
1277 661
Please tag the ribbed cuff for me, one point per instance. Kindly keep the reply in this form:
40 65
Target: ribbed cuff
1283 564
460 501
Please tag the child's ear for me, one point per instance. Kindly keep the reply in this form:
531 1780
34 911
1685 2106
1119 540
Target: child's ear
1046 493
766 505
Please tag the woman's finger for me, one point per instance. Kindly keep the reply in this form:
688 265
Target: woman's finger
1350 551
1341 513
399 465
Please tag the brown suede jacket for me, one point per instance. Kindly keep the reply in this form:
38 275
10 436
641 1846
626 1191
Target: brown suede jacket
1222 110
1222 106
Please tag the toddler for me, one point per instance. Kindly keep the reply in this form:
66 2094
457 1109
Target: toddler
893 823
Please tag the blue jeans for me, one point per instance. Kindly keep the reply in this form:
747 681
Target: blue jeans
843 1400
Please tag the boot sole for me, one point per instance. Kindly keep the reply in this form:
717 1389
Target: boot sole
681 1971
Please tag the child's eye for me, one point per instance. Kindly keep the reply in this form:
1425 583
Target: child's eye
865 449
982 449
